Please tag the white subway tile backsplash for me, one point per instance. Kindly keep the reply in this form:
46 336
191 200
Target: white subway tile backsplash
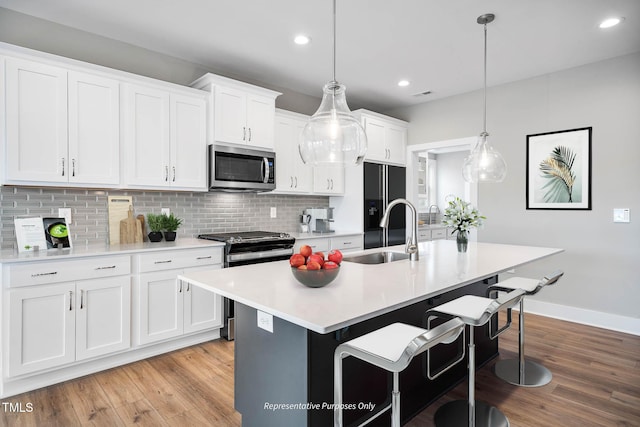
201 212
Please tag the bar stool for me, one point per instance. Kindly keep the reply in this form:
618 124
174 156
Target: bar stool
521 372
474 311
392 348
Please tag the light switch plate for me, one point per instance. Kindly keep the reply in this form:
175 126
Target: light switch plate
66 214
621 215
265 321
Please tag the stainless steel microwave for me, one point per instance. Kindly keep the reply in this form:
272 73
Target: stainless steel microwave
241 169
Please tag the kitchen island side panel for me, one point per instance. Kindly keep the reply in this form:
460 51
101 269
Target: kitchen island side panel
270 369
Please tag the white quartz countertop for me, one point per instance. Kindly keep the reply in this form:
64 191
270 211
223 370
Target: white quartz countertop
100 250
337 233
361 291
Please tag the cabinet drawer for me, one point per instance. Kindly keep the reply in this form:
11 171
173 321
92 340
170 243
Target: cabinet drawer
317 245
347 242
41 273
439 233
184 258
424 235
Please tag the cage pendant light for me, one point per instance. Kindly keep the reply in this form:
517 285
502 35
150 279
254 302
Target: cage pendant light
333 137
484 164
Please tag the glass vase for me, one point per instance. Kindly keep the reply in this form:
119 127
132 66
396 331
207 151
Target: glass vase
462 239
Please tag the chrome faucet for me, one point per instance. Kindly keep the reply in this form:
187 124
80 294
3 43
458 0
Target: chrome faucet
412 242
437 212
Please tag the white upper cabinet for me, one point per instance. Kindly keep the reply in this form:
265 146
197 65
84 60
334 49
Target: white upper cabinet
292 175
386 137
165 137
241 113
61 126
328 180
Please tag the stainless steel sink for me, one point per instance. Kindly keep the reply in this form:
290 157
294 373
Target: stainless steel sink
377 257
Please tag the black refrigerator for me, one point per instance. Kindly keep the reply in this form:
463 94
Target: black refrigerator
382 185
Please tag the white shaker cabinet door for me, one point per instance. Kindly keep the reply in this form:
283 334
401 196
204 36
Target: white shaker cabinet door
230 110
146 134
376 148
41 328
160 308
396 144
94 130
103 316
36 122
260 121
202 308
188 142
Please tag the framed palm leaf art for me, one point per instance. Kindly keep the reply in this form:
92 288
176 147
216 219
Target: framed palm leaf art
559 170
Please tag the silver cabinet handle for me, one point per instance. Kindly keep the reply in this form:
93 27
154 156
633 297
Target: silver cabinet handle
180 287
63 166
291 184
81 299
70 300
204 257
73 167
109 267
163 262
166 173
296 182
188 287
249 134
328 184
174 174
346 243
244 133
332 183
44 274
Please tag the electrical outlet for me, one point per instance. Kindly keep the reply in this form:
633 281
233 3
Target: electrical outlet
621 215
265 321
273 212
165 211
66 214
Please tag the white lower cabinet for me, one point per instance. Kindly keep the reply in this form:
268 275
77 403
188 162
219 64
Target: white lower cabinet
168 308
345 243
53 325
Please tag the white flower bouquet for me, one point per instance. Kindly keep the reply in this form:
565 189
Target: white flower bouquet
461 216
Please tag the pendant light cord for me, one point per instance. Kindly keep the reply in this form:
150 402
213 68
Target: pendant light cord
334 40
485 79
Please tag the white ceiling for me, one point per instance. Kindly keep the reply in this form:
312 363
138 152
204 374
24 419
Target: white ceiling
436 44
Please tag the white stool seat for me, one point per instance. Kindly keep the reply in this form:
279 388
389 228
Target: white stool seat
529 285
473 310
388 342
392 348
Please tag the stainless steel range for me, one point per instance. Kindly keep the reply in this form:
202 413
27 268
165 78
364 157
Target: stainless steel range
249 247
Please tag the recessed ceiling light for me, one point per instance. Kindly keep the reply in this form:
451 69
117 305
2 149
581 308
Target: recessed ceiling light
403 83
302 39
611 22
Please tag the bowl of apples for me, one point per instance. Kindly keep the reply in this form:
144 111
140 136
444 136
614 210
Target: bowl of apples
313 269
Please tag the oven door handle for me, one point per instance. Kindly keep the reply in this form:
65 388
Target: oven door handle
243 256
265 170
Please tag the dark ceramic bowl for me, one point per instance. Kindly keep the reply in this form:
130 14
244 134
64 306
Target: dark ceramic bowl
315 278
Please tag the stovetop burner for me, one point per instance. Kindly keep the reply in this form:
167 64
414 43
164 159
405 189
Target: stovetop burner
246 236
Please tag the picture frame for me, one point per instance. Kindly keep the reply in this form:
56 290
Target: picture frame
559 170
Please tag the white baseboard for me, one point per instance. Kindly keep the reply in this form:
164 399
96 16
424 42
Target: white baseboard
598 319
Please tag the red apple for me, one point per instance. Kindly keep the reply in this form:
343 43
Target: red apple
329 265
313 265
305 250
316 258
335 256
302 267
296 260
320 254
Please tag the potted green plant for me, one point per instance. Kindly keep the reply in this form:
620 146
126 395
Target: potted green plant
170 225
156 225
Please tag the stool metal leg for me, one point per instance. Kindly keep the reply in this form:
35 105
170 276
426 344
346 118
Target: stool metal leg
395 401
471 413
521 372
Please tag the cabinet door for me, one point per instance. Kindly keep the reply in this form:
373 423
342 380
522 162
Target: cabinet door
94 130
396 143
188 142
36 122
103 316
146 121
230 115
202 308
160 308
376 149
292 175
328 180
260 121
41 328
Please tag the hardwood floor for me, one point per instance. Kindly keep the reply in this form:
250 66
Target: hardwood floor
596 382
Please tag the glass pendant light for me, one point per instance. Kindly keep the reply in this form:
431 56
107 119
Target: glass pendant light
484 164
333 136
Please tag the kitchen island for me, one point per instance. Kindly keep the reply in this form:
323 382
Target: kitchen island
286 333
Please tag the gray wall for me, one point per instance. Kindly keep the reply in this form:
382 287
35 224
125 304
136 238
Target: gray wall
35 33
601 257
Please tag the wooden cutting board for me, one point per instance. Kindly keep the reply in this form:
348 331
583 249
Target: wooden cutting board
144 230
130 229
